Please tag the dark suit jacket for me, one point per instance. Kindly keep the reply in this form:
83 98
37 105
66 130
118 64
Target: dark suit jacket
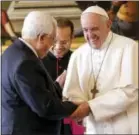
55 66
30 103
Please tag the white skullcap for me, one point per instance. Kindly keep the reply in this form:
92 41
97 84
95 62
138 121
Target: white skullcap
37 22
97 10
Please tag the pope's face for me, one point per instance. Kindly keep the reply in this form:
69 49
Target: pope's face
95 29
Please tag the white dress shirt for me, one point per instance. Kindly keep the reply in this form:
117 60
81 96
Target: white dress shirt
27 44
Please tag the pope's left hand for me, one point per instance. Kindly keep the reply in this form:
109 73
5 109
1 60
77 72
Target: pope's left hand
82 111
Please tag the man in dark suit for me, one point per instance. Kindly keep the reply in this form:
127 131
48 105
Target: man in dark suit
31 103
56 61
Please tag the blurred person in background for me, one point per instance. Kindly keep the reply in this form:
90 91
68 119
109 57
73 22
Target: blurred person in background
126 22
56 61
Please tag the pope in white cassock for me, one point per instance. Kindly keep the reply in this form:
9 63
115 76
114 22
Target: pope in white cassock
102 75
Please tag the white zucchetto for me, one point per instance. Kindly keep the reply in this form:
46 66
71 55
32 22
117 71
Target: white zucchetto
97 10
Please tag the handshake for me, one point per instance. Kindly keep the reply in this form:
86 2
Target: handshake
83 108
82 111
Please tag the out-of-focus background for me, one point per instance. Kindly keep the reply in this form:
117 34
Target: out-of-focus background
124 15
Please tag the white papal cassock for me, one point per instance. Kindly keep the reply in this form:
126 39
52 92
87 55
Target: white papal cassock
114 110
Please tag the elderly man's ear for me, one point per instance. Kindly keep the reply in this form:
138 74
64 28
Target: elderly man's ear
41 37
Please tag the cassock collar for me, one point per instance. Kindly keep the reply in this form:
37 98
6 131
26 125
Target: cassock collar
29 46
107 41
51 52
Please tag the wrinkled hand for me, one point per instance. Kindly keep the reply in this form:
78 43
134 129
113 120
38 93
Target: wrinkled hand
82 111
61 79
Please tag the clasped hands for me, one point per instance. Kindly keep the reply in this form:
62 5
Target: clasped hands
83 108
82 111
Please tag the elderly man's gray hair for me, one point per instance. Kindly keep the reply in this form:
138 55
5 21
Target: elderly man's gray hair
37 23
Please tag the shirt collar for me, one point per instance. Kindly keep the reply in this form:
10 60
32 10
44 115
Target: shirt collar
107 41
28 45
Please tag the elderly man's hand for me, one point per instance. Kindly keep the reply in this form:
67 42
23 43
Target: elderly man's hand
81 112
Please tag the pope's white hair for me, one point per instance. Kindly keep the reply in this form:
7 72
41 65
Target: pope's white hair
37 23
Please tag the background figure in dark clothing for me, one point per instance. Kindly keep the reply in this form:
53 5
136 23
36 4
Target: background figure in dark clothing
56 61
85 4
31 104
126 21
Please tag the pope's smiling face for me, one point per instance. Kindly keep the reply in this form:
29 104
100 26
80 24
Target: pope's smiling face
95 28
